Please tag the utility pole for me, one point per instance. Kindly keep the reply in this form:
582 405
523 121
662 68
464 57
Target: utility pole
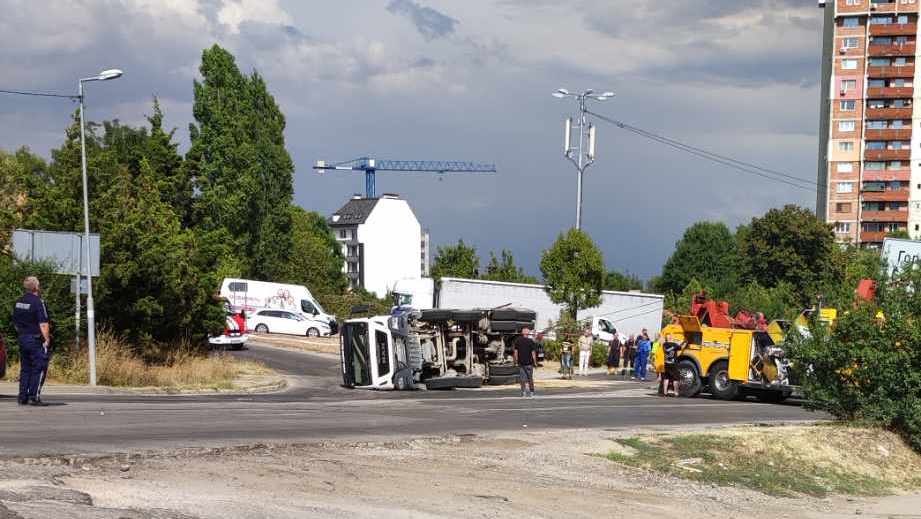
584 157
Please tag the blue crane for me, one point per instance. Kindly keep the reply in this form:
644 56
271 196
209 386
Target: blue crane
371 166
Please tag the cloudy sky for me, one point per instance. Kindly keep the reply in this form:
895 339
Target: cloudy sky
466 80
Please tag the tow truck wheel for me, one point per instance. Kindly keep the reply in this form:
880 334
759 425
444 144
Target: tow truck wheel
721 386
689 383
261 328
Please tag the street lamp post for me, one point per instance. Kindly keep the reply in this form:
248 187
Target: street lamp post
585 158
90 310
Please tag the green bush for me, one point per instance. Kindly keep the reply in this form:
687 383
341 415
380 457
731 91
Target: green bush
866 368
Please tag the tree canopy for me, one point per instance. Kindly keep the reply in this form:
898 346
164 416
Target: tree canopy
505 269
574 272
456 261
707 252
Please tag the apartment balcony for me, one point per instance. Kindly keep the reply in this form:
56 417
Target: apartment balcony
890 92
886 175
893 29
877 155
889 113
895 195
885 216
905 71
888 134
882 51
872 236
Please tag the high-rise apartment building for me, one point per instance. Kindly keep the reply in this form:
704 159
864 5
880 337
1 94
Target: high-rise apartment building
870 131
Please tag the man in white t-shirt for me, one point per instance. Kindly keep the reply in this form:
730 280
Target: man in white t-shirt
585 351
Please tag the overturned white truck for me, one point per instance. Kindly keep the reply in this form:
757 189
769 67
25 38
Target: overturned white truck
438 348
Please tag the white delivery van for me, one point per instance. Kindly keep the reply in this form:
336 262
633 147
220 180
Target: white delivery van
251 296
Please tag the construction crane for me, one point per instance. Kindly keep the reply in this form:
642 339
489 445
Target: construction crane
372 166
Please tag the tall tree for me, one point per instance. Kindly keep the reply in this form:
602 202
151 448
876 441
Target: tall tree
316 257
574 272
505 269
239 164
790 245
707 252
456 261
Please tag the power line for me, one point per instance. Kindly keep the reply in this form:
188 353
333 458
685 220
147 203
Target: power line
745 167
38 94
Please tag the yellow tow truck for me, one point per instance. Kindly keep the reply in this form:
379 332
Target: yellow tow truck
729 363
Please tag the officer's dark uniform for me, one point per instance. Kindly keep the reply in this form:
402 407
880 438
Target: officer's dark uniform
28 314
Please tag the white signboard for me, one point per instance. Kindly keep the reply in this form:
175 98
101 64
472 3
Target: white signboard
901 253
63 249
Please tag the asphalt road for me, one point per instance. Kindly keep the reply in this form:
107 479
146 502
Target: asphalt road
316 408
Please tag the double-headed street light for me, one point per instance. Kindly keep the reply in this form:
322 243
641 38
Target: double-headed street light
105 75
585 158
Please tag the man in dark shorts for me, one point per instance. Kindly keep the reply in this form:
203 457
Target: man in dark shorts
525 354
670 377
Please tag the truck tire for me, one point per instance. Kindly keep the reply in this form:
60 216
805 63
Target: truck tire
502 380
509 326
512 314
689 383
502 370
721 386
435 314
454 382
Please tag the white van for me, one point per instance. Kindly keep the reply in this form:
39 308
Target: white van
249 295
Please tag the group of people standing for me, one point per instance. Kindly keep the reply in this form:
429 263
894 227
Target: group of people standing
633 352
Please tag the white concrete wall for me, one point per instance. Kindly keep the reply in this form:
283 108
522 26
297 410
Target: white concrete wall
392 238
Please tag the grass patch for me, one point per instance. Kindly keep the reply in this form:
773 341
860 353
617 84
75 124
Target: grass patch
781 461
183 368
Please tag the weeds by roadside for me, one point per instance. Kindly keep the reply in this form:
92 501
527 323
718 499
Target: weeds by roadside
787 461
118 366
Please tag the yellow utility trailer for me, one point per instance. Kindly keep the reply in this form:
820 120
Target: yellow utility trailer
728 362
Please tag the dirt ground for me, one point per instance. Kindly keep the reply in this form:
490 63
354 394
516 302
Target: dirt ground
526 474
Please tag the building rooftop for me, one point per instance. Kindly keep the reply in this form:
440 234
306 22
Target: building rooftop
355 212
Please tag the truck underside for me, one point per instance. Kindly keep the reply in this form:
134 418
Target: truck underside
440 348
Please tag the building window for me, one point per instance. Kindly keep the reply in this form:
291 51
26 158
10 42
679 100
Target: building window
848 84
853 2
846 146
845 187
848 105
849 64
874 166
845 167
847 126
843 207
850 21
353 267
842 227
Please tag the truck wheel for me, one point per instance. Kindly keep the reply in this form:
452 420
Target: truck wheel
313 332
689 383
502 380
261 328
721 386
502 370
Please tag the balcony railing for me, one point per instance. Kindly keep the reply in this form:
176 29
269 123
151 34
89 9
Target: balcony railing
905 71
872 236
904 154
889 113
886 175
890 92
893 29
895 195
894 49
885 216
888 134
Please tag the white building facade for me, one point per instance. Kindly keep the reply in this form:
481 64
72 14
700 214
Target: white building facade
381 240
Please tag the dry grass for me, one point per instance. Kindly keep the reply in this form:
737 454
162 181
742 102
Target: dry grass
814 460
117 365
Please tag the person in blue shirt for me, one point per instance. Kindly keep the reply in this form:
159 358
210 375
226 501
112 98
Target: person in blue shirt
643 347
30 316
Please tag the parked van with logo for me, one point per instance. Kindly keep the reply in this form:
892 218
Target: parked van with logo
251 296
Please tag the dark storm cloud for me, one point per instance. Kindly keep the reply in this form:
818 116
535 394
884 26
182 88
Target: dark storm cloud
430 23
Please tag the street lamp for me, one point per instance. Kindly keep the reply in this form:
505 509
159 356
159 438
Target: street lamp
586 133
105 75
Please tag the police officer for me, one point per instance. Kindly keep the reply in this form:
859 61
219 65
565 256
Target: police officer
31 319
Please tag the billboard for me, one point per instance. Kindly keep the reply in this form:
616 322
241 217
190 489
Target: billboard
63 249
900 254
